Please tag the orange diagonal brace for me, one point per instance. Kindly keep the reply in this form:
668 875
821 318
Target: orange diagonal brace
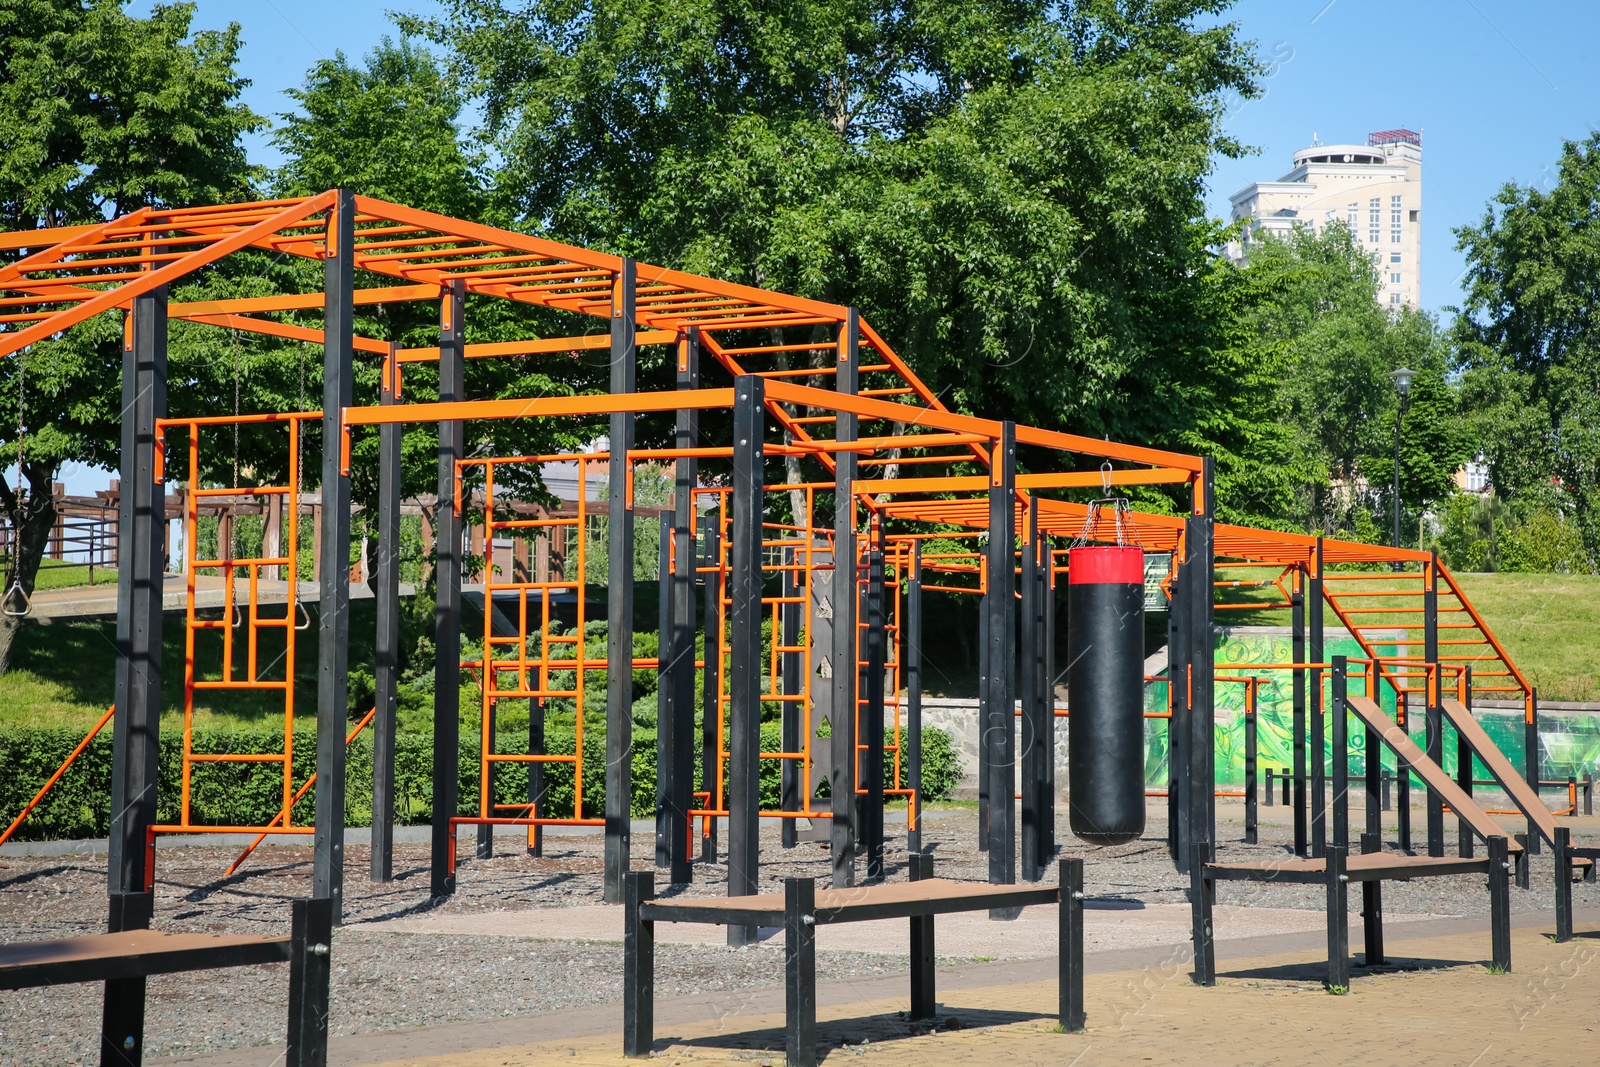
56 777
121 294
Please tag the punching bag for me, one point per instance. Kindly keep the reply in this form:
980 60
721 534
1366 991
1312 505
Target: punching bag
1105 693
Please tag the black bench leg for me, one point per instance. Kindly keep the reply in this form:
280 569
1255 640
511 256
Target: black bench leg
1372 906
1338 918
1563 884
1071 948
1523 874
923 1005
638 965
800 971
122 1014
1201 890
309 966
1500 903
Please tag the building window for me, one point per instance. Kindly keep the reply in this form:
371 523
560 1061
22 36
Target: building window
1394 278
1394 219
1374 219
1352 219
1394 298
1394 257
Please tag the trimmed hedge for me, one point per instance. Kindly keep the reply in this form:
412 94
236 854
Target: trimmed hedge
250 794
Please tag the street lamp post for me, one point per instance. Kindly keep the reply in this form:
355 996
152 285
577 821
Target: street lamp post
1402 383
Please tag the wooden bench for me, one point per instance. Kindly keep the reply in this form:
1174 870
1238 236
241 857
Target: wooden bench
1372 867
124 958
802 907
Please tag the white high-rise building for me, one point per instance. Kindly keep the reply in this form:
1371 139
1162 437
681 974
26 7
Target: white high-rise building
1375 189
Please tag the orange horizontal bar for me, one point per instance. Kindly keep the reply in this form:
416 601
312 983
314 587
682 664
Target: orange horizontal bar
256 305
541 407
538 346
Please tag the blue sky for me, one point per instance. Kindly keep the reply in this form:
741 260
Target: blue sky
1494 86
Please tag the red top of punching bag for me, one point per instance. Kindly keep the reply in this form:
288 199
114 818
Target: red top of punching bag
1105 565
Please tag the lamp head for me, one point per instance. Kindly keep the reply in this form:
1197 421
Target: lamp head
1402 380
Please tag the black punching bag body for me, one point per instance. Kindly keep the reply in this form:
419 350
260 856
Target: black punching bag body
1105 693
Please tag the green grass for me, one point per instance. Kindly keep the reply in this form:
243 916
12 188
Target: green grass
1548 623
71 575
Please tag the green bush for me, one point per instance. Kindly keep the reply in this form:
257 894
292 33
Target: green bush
251 794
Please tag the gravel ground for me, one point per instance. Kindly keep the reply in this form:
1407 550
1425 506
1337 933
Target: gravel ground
388 980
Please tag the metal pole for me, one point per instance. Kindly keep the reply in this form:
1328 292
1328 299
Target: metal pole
333 609
386 600
1178 657
1402 775
792 713
666 772
1398 412
135 741
1464 768
1341 756
1201 543
1372 764
447 596
1038 718
1318 728
744 669
1049 670
999 685
711 696
1530 759
913 671
1434 723
872 722
1297 639
619 590
842 719
687 432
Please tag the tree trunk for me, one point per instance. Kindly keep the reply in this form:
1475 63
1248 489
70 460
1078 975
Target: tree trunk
31 518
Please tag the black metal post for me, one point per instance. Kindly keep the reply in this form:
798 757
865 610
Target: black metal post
1317 725
1202 890
984 773
447 596
800 971
842 702
333 609
1402 775
744 668
998 687
687 435
1341 754
122 1010
1500 903
619 589
310 967
711 697
1464 769
1433 721
923 999
638 965
1563 865
1038 737
1200 541
1372 764
536 747
1372 905
666 772
135 727
1530 760
386 654
1049 642
1069 1011
1178 657
872 719
1250 715
912 655
1338 890
1297 643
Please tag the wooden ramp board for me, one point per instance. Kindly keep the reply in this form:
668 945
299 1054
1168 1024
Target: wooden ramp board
1514 784
131 954
1400 743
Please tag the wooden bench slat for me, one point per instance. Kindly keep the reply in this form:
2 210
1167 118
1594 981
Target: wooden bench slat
131 954
932 896
1362 867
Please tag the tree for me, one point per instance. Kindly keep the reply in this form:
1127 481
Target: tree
100 113
1012 192
1529 342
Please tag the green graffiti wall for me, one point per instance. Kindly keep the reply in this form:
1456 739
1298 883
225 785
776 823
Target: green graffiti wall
1569 741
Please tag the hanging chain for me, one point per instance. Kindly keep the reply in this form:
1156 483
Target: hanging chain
1124 529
